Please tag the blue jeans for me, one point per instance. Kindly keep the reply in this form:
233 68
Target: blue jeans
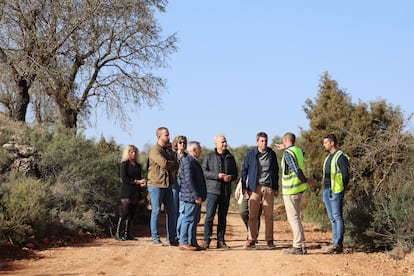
334 204
190 218
222 201
159 196
176 202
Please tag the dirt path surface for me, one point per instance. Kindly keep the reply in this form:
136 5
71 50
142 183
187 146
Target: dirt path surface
110 257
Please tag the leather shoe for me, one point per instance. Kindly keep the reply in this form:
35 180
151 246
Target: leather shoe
250 245
206 244
222 245
271 245
173 243
188 247
200 248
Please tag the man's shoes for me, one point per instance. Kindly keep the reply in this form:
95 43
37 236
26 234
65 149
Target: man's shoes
334 249
271 245
222 245
206 244
173 243
200 248
294 251
250 245
157 243
188 247
130 238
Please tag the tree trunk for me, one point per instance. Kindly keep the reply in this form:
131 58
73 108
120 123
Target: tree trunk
67 115
22 100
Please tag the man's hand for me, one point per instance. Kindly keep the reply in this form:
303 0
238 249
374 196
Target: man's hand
224 177
198 201
280 146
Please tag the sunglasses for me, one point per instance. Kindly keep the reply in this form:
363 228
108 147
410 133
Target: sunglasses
182 142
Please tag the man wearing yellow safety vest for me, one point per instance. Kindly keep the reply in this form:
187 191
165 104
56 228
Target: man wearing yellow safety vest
335 180
294 183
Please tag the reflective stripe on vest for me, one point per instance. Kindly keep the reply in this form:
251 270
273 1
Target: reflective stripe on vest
337 183
291 183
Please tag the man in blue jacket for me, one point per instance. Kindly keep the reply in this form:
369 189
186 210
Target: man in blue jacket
261 167
193 193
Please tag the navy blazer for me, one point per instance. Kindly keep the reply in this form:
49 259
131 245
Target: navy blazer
250 169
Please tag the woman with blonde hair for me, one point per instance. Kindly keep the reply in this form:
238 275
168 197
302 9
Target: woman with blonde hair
132 183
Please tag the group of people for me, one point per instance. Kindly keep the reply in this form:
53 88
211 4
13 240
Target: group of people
177 180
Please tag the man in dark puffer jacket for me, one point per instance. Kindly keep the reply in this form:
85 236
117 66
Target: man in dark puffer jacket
220 170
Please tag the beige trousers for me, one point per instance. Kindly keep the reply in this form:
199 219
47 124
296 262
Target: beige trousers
264 196
292 205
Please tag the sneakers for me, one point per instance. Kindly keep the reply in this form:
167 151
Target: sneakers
294 251
222 245
250 245
157 243
334 249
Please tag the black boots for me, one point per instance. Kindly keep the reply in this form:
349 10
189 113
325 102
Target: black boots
118 228
128 229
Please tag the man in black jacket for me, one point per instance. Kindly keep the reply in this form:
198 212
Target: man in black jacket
220 170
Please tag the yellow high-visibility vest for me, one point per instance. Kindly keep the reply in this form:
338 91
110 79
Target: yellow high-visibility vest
337 183
291 183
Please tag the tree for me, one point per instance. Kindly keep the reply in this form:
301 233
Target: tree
85 54
328 114
12 81
372 135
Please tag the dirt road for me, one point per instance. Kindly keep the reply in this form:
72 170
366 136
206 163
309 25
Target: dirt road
110 257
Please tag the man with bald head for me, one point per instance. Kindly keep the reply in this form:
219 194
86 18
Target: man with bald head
219 167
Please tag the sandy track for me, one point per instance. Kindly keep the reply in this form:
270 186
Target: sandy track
110 257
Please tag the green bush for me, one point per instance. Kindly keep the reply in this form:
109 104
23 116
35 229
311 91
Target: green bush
87 191
357 218
4 159
24 203
393 213
85 179
78 188
385 221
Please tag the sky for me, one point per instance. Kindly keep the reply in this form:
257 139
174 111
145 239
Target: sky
243 67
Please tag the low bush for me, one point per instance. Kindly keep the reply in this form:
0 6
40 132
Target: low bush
24 209
393 213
